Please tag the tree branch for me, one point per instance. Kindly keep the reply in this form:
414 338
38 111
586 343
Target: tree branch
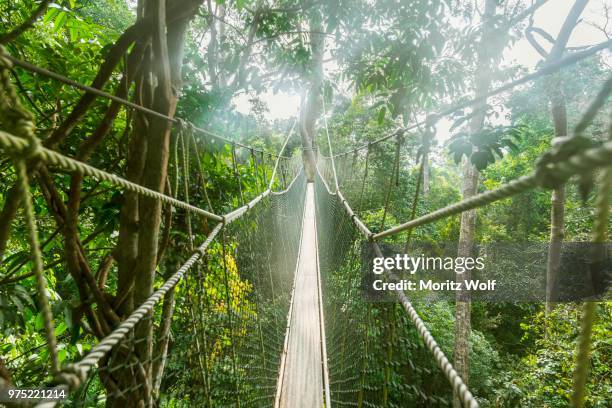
11 35
534 43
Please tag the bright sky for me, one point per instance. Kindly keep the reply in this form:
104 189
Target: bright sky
549 17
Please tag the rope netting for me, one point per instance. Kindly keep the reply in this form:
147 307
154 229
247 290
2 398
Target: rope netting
229 319
376 357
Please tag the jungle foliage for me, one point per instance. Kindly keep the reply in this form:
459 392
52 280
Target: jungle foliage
394 62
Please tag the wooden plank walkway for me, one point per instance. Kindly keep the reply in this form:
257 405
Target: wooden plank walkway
301 382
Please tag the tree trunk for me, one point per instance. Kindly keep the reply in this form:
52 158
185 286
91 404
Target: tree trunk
559 116
487 56
311 104
137 252
557 208
425 180
462 303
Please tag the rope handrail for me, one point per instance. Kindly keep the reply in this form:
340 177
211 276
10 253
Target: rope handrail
98 92
75 374
19 145
548 69
588 160
445 365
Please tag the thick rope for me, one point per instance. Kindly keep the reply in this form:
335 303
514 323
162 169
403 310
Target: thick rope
21 121
585 161
589 309
41 282
19 146
95 91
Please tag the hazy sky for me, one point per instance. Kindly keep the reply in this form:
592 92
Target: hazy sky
549 17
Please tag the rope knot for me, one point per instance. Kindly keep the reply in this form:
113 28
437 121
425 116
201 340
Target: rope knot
181 124
547 171
72 375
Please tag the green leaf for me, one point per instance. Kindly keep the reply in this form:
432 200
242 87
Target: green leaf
61 355
39 323
60 21
381 115
61 328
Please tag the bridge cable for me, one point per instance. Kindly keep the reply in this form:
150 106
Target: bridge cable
98 92
548 174
589 308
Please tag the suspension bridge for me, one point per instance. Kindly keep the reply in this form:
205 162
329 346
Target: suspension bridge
282 322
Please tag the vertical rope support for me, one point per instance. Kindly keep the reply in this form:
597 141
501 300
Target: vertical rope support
351 175
179 136
203 307
365 177
237 174
228 299
589 309
398 146
365 358
255 170
41 282
427 137
264 170
185 151
200 170
329 145
202 354
283 173
257 280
